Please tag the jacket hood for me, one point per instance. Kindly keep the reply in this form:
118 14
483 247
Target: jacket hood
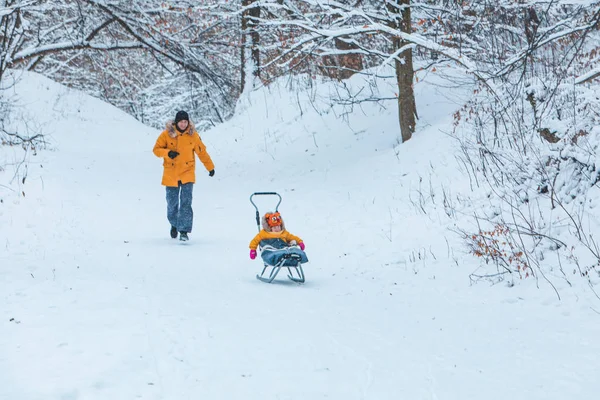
266 226
173 132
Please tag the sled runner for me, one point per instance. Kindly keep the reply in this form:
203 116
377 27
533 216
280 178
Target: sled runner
276 254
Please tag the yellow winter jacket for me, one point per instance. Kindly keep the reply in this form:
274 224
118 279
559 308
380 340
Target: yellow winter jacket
183 167
283 235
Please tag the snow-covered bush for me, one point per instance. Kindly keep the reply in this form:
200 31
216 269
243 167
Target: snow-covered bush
535 155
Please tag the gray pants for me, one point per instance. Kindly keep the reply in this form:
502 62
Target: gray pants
179 206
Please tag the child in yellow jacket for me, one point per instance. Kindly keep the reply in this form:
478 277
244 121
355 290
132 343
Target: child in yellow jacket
274 235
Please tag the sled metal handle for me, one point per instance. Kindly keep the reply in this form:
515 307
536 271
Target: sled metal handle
256 208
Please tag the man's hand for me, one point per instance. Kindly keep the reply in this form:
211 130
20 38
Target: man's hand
211 173
172 154
252 254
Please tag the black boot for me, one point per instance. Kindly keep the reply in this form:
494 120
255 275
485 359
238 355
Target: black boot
183 236
173 232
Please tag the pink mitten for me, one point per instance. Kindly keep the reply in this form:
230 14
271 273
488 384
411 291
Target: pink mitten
252 254
301 246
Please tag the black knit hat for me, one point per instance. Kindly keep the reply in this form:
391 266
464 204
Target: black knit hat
181 115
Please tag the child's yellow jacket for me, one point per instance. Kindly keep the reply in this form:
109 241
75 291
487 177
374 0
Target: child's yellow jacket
283 235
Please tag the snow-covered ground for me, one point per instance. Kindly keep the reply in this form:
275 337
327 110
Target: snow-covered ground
98 302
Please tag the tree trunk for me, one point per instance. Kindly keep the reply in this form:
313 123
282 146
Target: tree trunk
342 66
250 30
407 108
11 37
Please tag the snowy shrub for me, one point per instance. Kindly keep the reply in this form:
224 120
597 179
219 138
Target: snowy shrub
536 156
207 103
529 137
16 130
500 248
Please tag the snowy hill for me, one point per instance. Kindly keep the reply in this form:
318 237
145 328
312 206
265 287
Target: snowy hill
98 302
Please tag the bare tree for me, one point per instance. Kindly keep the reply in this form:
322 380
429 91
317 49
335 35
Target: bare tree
131 45
407 108
250 36
12 32
373 30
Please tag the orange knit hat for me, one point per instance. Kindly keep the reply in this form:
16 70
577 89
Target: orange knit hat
273 219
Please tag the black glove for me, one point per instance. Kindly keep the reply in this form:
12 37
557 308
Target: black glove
172 154
211 172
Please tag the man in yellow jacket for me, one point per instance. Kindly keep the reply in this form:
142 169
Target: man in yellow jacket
177 145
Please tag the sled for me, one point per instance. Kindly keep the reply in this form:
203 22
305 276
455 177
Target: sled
292 262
